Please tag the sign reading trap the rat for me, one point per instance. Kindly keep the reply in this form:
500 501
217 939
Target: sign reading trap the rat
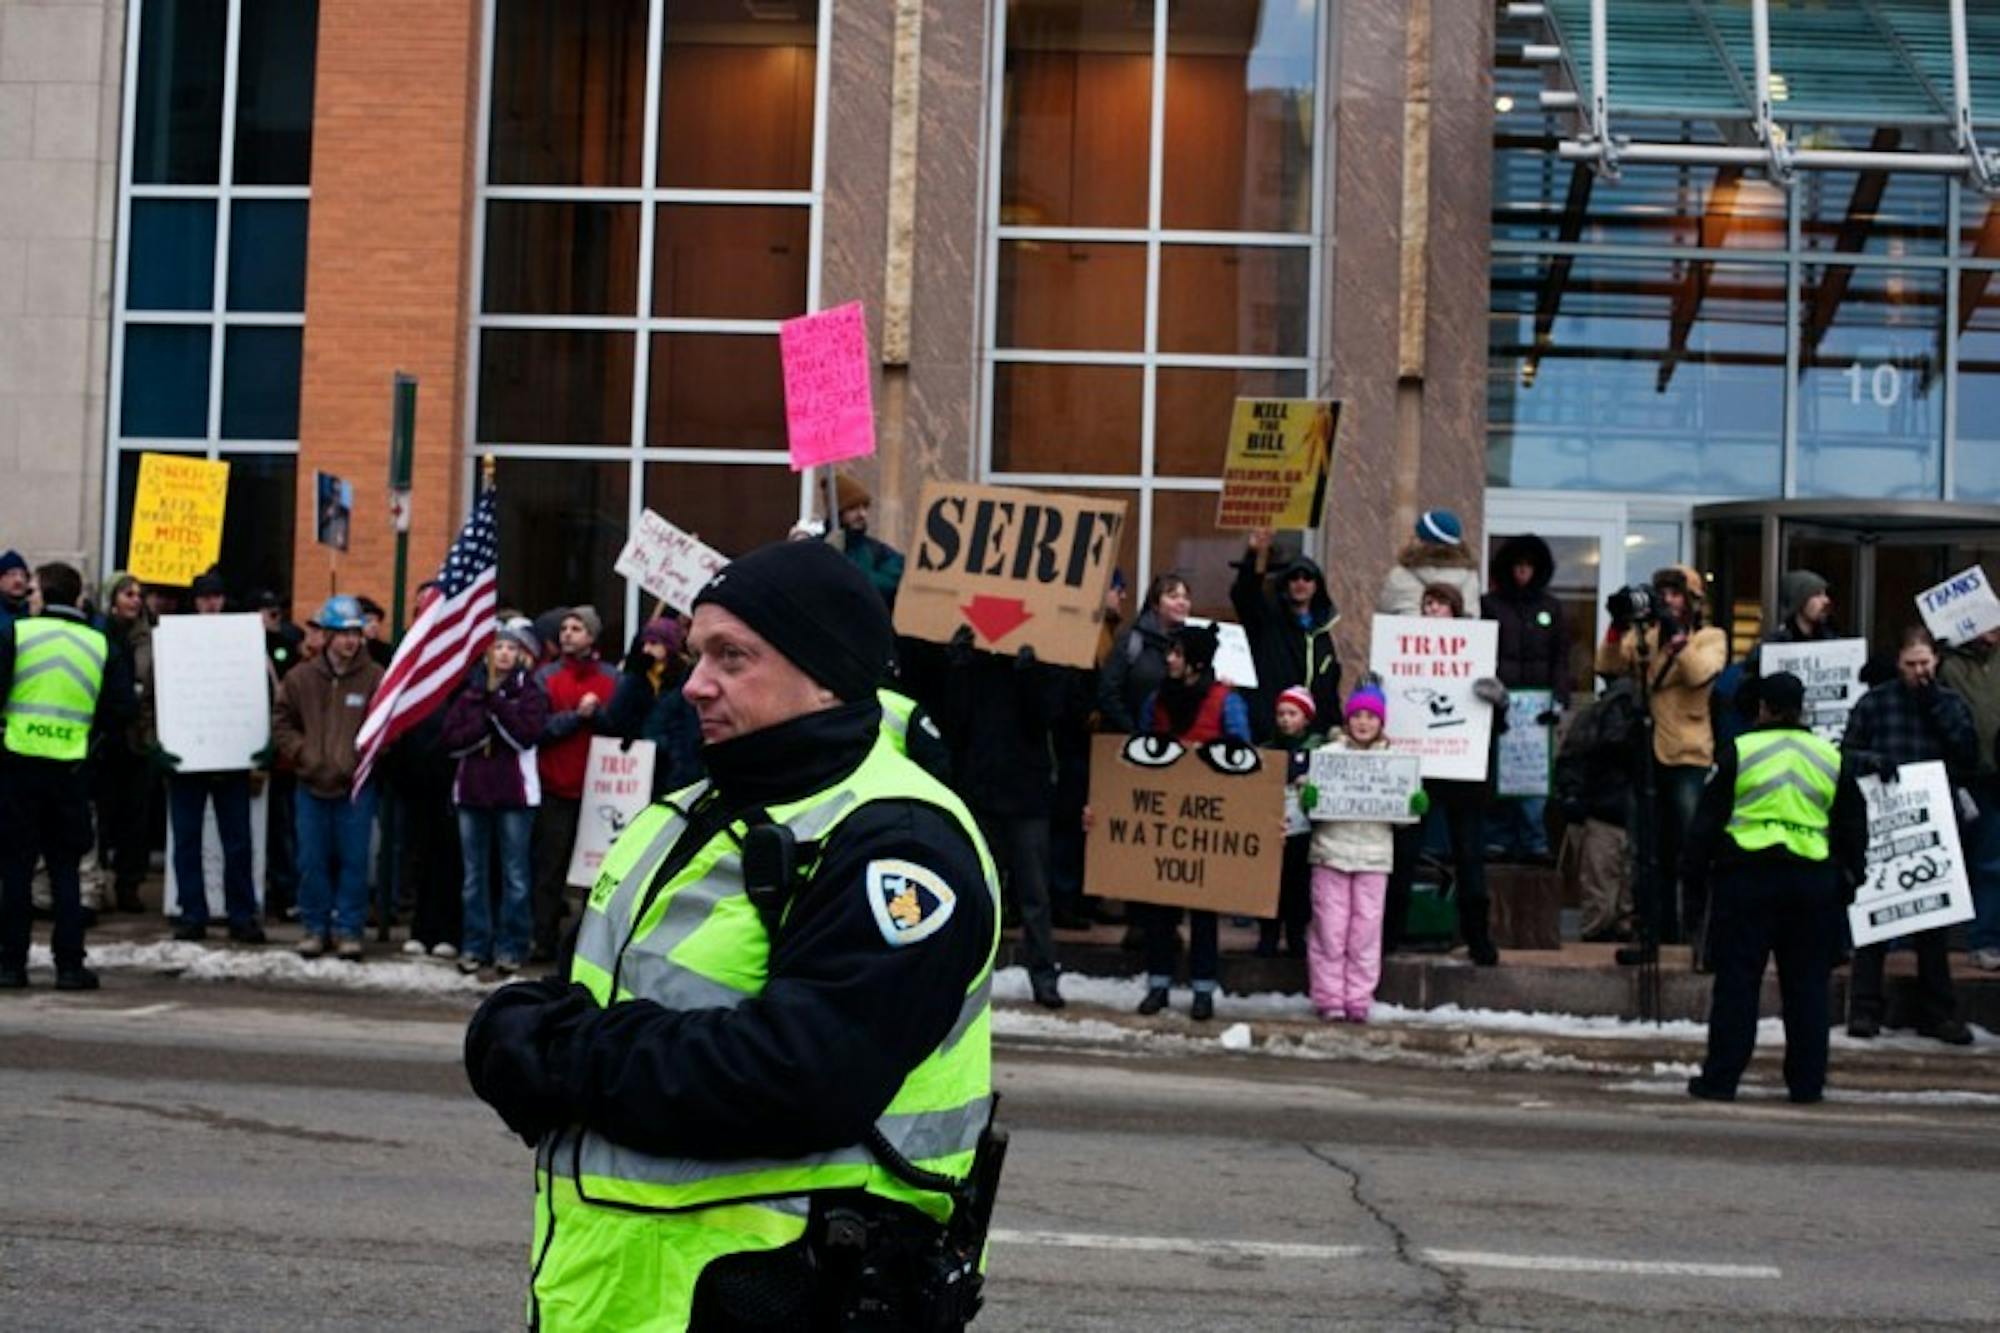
1830 669
1916 870
1428 666
1186 825
617 785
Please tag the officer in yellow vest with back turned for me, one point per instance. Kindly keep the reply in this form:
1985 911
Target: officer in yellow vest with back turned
761 1096
58 677
1783 830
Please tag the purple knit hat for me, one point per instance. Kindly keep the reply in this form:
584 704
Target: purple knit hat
1368 699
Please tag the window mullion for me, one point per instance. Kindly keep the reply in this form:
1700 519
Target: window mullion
231 55
1149 381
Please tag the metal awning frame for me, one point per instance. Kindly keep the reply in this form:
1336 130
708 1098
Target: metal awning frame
1773 153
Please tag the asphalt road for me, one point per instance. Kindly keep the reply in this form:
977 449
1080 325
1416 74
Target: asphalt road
184 1156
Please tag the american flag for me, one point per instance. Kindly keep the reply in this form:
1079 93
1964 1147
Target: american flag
454 625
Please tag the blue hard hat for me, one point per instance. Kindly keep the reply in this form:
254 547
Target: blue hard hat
342 612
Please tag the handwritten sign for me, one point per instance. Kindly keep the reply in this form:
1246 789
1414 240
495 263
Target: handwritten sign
1234 661
1184 834
1961 608
211 687
1374 785
1916 870
1274 475
1525 748
177 518
1428 666
1019 567
668 563
617 785
829 404
1831 672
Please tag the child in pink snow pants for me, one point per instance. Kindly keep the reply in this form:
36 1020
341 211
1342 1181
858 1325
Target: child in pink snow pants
1350 860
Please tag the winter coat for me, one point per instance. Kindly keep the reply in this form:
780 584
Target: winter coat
563 754
1683 734
1354 844
1973 669
1794 591
317 716
649 706
1893 725
881 562
492 734
1534 634
996 715
1593 776
1422 563
1137 665
1287 648
1222 716
134 638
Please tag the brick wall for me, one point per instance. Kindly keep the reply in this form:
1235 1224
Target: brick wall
387 287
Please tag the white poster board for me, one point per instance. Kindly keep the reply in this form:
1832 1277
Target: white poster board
1427 665
1233 661
617 785
211 857
1961 608
668 563
1526 749
1373 785
212 687
1916 871
1831 672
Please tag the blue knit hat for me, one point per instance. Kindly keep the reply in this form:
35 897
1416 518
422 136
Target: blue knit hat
11 561
1440 526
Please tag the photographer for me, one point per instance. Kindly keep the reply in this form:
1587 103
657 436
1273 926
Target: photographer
1657 638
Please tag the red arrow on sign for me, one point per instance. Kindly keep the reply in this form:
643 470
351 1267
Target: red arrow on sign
996 617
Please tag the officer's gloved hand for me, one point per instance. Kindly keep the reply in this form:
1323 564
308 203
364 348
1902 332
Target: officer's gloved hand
506 1056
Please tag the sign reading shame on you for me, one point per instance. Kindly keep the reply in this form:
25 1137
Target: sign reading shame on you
1019 567
1182 833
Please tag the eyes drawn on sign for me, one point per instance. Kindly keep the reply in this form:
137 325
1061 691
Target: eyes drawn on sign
1228 757
1189 825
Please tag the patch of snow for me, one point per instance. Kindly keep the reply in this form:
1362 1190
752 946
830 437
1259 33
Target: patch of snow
381 973
1857 1096
1235 1037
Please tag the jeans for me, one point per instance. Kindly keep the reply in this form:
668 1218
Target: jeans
1935 1001
333 861
45 809
1792 911
1676 793
1515 826
126 785
1982 851
1162 926
514 830
188 796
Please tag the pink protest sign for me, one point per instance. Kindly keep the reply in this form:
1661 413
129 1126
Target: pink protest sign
829 408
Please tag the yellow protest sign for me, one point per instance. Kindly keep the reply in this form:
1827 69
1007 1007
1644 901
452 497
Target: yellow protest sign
1275 475
176 518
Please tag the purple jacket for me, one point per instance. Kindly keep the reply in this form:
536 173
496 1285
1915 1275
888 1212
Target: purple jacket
492 734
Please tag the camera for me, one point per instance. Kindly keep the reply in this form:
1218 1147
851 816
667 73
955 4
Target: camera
1634 605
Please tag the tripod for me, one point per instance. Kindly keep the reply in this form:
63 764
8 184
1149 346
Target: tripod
1648 894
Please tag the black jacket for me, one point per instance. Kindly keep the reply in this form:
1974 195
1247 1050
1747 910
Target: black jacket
996 713
1137 665
1289 650
1709 845
1534 635
811 1062
1594 767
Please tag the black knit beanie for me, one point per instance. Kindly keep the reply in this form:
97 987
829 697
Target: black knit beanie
816 607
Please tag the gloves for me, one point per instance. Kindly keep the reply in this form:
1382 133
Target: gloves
262 758
163 759
1548 717
506 1055
1025 660
1420 802
636 662
625 744
1488 690
1308 796
960 649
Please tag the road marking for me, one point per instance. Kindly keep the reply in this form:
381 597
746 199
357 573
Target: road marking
142 1011
1272 1249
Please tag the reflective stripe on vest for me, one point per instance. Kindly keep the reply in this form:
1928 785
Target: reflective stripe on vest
58 674
1785 784
897 710
698 942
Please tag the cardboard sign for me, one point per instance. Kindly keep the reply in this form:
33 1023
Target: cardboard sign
668 563
1019 567
829 403
211 685
1275 472
1527 748
334 509
1234 663
1961 608
617 785
176 519
1916 870
1427 666
1184 834
1374 785
1831 670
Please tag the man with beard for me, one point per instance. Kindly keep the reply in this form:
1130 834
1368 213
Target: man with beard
881 562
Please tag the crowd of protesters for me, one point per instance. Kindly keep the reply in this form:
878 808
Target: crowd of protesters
470 816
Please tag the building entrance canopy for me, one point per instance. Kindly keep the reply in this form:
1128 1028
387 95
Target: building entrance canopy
1787 86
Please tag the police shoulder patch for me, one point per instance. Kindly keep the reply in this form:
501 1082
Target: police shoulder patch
910 903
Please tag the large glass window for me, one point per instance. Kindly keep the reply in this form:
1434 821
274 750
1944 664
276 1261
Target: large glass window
209 311
647 220
1976 458
1155 251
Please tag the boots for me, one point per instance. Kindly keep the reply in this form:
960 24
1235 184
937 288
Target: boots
128 898
1474 922
1204 1006
1156 1000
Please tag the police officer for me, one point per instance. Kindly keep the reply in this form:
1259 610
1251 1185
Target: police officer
57 676
757 1096
1782 829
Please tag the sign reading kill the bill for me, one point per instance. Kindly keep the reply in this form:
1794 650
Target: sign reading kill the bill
1427 665
1830 669
617 785
1183 833
1961 608
1020 567
668 563
1916 870
1274 475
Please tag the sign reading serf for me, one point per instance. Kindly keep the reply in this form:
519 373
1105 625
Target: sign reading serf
1021 568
